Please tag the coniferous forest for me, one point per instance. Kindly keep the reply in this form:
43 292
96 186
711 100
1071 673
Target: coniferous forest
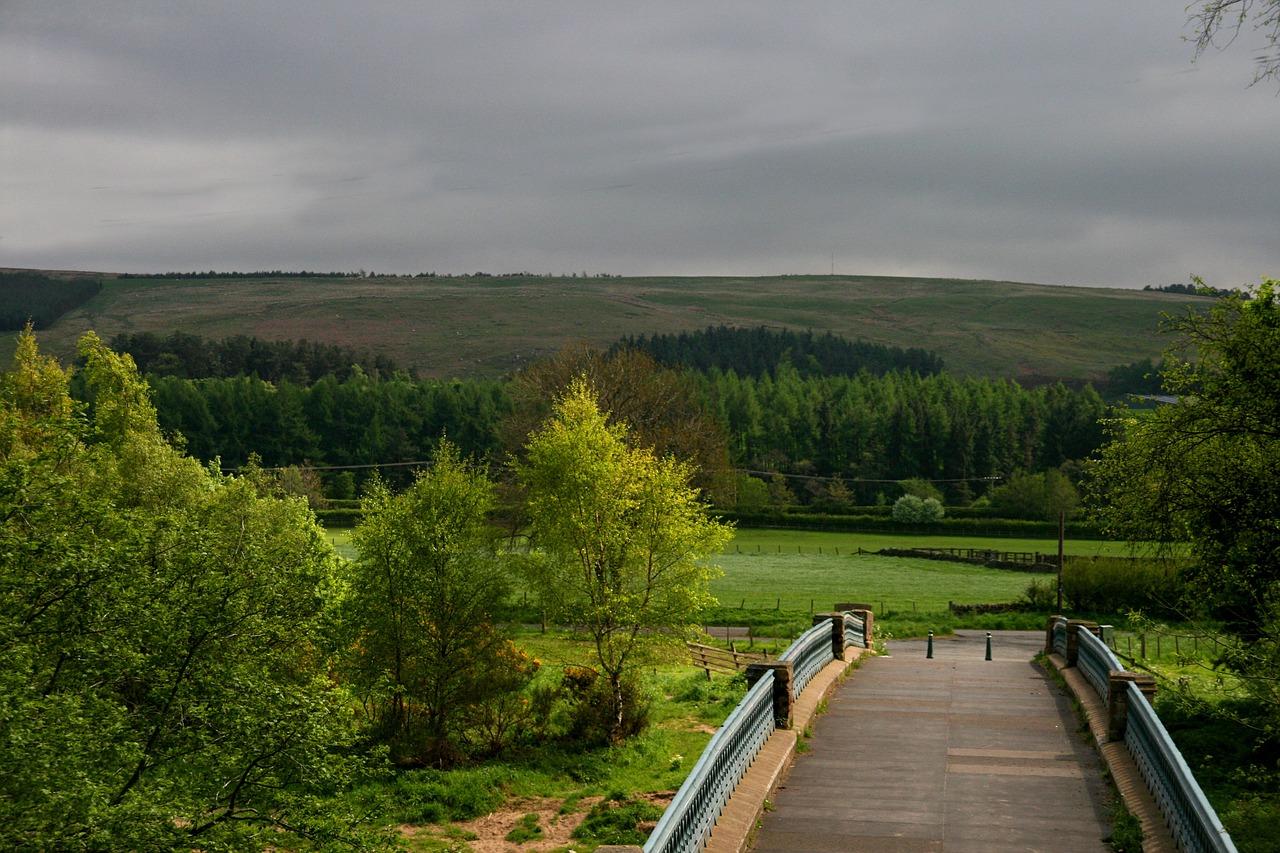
812 416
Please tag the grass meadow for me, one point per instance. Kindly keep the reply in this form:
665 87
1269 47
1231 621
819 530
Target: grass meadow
486 327
795 570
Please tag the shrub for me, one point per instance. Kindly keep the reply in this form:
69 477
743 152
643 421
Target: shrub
910 509
1117 585
593 710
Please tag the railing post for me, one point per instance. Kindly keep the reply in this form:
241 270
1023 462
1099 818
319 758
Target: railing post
1073 637
837 631
1118 706
782 677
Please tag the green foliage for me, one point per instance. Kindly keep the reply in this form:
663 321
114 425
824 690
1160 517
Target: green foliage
910 509
1126 831
625 535
922 489
759 351
616 820
601 712
526 829
32 298
425 655
1207 469
1041 496
189 356
163 677
1119 585
1232 748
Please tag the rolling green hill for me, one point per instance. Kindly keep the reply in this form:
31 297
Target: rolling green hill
487 326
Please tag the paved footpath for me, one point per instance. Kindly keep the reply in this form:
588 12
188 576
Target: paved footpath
952 754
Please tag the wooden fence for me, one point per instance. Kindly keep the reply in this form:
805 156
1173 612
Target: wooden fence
709 658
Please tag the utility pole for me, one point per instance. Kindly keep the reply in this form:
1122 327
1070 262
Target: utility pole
1062 535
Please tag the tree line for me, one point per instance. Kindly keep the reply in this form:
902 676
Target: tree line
850 429
759 351
188 356
40 300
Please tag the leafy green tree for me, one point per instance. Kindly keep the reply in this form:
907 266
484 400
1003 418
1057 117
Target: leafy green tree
910 509
162 676
1206 471
420 610
661 407
627 539
922 489
1041 496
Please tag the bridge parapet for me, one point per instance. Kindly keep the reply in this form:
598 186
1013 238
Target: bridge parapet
774 687
1126 700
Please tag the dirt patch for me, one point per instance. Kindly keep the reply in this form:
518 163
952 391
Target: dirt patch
491 830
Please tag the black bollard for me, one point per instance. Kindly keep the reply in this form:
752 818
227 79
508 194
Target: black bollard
929 653
988 645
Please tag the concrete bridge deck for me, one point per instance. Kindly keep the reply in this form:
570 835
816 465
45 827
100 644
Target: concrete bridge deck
951 754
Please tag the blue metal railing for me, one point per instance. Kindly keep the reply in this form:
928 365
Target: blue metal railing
1059 636
855 631
808 655
1096 661
1193 822
1191 819
687 822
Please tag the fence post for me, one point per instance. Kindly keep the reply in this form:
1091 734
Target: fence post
1118 704
837 631
782 677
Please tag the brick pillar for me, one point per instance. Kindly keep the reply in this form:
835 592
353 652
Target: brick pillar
1073 637
836 620
1048 634
866 617
782 678
1118 706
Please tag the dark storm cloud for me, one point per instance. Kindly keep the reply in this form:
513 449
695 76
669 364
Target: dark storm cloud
1061 143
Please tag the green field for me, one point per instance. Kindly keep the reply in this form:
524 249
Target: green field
817 583
806 571
486 327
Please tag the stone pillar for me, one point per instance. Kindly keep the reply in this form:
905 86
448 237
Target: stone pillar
1118 692
866 617
782 678
1073 637
836 620
1048 634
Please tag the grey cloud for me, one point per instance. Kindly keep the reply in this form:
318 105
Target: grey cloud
1065 143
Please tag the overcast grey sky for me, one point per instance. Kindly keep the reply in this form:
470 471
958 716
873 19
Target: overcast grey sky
1062 143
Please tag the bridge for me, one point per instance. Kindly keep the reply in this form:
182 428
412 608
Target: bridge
958 744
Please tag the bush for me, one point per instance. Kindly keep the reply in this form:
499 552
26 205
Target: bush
594 709
1118 584
910 509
